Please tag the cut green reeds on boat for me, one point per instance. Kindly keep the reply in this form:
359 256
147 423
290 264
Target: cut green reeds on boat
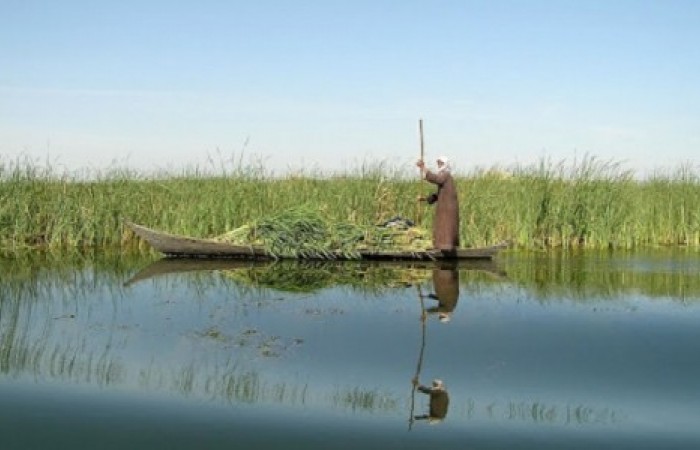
304 232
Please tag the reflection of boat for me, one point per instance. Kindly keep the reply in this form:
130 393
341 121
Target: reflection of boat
189 247
357 269
182 265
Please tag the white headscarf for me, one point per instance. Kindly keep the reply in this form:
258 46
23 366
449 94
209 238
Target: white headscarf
438 385
445 164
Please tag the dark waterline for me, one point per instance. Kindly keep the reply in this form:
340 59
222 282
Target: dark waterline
208 359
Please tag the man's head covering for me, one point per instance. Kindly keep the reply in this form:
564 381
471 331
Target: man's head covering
438 385
445 164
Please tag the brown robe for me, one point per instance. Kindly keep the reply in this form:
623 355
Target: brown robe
439 402
446 286
446 221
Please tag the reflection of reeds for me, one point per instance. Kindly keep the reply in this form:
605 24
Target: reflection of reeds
28 346
57 362
356 399
535 412
581 415
32 279
538 412
34 276
34 349
225 384
589 276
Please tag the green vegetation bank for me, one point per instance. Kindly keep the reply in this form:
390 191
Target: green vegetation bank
590 204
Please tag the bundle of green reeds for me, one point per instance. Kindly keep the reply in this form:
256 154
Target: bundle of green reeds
304 232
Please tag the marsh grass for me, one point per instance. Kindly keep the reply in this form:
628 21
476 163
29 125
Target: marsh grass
584 204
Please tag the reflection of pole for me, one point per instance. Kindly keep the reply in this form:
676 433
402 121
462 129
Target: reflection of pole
416 378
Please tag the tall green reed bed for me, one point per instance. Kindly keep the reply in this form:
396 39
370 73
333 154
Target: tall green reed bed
587 204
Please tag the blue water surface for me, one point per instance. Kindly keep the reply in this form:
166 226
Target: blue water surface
206 359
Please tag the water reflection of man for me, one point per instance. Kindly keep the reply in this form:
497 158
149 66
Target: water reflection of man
446 287
439 401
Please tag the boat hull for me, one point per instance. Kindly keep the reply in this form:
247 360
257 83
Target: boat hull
176 246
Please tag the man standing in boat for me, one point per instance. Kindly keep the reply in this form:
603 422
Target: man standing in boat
446 221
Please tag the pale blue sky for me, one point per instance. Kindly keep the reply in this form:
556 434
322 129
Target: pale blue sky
321 84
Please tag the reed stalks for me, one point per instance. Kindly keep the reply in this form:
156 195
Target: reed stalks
584 204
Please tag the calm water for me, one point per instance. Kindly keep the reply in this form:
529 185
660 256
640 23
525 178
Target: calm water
536 351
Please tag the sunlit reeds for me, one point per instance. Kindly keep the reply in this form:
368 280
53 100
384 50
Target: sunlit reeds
587 204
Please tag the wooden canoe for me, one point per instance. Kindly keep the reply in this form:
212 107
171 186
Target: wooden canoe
175 246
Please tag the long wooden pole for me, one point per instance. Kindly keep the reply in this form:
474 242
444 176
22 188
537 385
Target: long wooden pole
422 144
419 215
